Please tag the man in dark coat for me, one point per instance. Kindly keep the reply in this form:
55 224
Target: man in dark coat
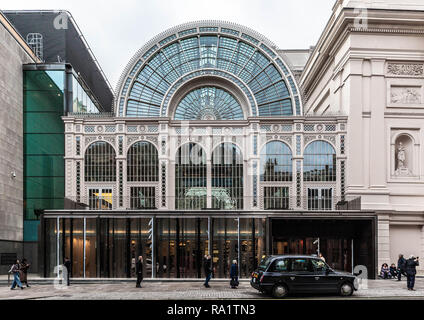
234 275
208 270
411 271
139 271
67 265
401 267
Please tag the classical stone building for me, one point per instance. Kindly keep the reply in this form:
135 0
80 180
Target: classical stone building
373 71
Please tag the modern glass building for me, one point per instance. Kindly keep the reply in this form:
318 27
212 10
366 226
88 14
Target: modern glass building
208 151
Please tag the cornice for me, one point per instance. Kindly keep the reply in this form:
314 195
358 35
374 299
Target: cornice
340 27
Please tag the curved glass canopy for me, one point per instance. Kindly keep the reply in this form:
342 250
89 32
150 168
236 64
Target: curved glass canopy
251 62
209 103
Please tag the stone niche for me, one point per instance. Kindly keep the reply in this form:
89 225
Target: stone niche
404 153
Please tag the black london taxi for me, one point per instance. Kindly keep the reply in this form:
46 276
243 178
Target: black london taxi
282 275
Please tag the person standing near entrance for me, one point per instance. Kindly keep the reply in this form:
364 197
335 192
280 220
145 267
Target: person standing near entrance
139 271
208 270
24 266
234 275
16 281
411 271
401 264
67 265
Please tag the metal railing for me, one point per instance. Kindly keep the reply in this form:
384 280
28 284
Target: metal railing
91 115
190 203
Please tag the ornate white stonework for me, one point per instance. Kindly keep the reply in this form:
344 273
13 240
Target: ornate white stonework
405 69
406 95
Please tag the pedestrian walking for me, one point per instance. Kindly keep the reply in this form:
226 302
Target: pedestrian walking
401 264
411 271
67 265
139 271
207 266
23 267
234 275
321 257
15 271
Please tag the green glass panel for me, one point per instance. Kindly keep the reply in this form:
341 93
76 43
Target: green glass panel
31 230
44 187
44 80
43 101
38 166
39 144
43 123
32 204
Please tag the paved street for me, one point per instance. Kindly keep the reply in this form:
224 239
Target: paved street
377 289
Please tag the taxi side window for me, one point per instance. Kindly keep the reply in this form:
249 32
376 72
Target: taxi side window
280 265
301 265
319 265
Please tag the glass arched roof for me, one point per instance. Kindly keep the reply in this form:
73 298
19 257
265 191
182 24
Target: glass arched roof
230 52
208 103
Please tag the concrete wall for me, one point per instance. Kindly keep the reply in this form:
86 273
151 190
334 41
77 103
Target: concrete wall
12 57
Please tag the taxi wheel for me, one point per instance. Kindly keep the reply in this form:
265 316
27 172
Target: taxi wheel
346 289
280 291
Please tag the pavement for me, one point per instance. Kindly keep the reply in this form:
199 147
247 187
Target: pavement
192 290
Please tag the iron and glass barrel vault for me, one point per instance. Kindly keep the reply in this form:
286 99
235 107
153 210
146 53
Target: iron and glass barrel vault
210 48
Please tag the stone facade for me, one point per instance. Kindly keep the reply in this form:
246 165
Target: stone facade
13 54
372 69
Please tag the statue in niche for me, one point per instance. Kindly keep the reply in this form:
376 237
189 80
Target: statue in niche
402 169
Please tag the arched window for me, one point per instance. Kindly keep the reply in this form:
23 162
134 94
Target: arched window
100 162
190 177
319 162
276 162
209 103
142 162
227 177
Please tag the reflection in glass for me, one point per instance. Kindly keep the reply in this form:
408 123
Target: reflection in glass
181 245
141 246
190 177
143 198
90 249
227 177
100 162
142 162
224 245
276 198
319 162
77 248
276 162
100 199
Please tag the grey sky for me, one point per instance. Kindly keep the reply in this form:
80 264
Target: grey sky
115 30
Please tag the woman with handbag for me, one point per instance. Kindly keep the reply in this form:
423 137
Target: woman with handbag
234 275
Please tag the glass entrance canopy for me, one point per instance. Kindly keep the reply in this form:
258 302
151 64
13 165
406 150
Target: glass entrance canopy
181 54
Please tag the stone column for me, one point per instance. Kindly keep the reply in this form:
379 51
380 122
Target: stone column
383 240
